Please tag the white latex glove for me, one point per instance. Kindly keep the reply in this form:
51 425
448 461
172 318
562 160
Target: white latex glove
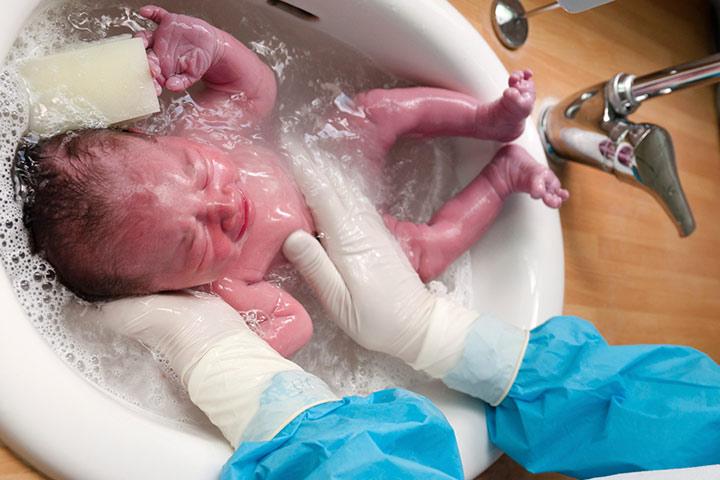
226 368
371 291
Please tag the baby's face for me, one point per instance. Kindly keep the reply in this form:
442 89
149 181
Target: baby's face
184 215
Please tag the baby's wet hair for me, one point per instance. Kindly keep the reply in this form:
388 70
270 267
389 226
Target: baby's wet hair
70 213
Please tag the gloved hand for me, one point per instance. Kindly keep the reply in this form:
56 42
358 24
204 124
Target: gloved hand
371 291
248 390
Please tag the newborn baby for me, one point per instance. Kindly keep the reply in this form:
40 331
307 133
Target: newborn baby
124 213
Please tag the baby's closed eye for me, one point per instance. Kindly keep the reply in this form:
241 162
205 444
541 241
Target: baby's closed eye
193 244
196 169
203 173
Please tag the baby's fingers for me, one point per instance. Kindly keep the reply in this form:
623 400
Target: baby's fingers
155 71
154 13
177 83
190 68
146 36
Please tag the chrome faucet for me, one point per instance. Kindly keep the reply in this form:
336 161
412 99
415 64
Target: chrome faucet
592 127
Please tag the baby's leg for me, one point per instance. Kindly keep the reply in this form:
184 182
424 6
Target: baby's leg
271 312
433 112
461 222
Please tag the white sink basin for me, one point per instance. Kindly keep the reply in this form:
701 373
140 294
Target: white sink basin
69 429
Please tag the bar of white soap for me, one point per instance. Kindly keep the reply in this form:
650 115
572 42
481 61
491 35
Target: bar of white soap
92 86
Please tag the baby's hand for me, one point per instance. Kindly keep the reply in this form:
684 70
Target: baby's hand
180 50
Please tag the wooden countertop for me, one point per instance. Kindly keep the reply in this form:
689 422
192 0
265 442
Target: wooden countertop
626 269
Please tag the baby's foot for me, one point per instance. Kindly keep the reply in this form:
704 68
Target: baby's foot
519 97
426 247
545 185
514 170
506 119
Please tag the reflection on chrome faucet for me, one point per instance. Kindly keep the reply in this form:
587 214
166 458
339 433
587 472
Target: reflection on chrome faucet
591 127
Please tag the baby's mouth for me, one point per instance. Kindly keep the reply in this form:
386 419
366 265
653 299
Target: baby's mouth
240 222
247 209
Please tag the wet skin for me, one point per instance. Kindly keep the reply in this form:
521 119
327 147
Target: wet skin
201 214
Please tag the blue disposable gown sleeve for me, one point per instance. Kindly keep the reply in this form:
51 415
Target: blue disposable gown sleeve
584 408
388 434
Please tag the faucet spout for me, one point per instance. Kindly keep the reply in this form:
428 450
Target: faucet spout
669 80
629 91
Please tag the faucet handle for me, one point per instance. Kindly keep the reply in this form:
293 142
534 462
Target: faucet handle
586 128
654 168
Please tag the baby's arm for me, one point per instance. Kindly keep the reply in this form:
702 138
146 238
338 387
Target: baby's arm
433 112
185 49
461 222
273 314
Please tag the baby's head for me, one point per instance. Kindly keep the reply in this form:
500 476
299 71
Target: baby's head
118 213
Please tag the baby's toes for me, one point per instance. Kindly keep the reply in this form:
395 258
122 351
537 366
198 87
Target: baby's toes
527 88
544 182
552 200
556 199
516 102
511 96
552 183
515 78
555 195
538 187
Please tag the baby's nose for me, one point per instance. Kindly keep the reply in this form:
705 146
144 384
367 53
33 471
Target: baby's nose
223 212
